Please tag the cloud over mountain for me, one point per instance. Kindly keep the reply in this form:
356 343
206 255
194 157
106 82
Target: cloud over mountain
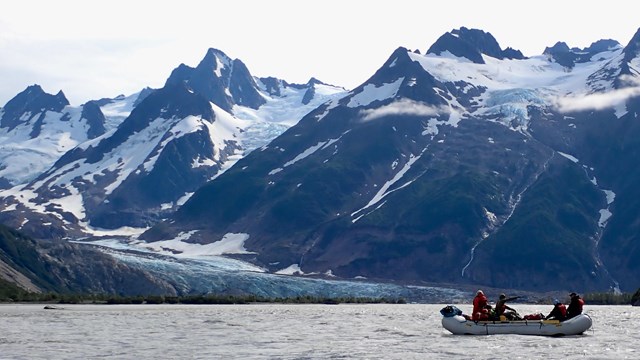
406 107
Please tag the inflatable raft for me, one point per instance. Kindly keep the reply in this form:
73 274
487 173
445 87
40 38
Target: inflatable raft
459 325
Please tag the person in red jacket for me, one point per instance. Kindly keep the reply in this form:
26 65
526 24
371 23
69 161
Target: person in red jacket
559 311
479 307
575 306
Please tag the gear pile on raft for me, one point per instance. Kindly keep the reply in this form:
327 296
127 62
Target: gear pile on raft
503 319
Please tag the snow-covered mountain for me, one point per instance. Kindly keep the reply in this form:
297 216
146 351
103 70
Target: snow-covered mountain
129 161
469 164
37 128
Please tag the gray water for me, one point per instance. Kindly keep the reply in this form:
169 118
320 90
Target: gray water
274 331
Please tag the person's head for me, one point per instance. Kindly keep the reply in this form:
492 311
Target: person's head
503 296
572 295
479 292
556 301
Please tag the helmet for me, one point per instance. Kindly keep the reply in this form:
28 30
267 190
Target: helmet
503 296
479 292
556 301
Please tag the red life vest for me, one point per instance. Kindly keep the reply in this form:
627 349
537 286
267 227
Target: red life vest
479 303
562 309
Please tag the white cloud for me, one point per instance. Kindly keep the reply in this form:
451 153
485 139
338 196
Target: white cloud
402 107
599 101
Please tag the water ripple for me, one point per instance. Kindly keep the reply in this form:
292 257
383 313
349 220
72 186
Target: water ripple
266 331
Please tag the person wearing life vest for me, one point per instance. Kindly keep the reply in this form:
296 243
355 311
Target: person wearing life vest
559 311
575 306
480 307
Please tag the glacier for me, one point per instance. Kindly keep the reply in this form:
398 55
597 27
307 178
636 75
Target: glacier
225 275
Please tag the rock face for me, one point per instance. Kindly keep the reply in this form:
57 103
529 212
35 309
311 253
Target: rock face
8 273
563 55
438 169
67 268
471 44
219 79
33 102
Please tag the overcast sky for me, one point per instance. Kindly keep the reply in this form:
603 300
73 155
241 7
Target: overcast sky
92 49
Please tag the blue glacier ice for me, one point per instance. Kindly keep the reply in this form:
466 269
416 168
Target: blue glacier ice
510 106
222 275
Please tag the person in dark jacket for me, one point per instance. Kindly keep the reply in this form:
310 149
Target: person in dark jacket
575 306
559 311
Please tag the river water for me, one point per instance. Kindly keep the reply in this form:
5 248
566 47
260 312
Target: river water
275 331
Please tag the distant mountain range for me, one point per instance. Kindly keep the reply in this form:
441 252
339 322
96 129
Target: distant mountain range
132 160
469 165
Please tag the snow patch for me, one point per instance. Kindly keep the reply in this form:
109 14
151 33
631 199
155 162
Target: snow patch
384 190
231 243
329 273
23 157
611 196
620 110
431 127
308 152
491 217
570 157
371 93
293 269
605 214
305 153
123 231
184 199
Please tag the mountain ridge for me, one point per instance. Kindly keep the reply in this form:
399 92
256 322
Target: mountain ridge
471 44
117 176
439 116
469 165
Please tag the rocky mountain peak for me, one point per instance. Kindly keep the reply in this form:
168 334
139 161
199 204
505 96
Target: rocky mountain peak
32 100
215 60
220 80
632 50
471 44
602 45
242 86
562 54
511 53
95 119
